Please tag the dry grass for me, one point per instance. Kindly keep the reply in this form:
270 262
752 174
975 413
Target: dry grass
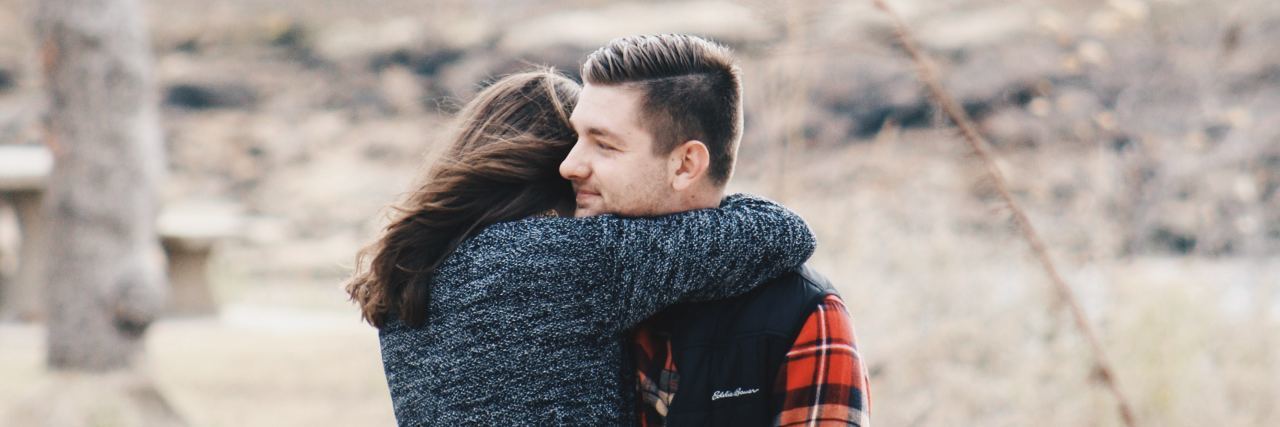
255 365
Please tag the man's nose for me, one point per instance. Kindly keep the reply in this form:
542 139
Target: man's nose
573 168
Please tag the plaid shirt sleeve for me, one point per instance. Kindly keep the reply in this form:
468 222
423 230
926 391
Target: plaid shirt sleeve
823 381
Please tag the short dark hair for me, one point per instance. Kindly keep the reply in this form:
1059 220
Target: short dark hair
690 90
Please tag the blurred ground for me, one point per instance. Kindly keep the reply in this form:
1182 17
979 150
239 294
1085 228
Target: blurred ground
261 362
1143 138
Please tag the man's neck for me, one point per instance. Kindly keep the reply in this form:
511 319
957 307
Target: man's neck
702 199
688 201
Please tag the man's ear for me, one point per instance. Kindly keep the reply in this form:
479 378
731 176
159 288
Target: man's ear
688 163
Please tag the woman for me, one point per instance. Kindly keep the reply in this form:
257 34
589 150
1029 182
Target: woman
493 309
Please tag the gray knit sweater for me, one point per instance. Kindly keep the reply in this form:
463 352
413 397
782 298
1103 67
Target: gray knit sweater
528 318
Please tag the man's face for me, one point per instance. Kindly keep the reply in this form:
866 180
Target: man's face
612 166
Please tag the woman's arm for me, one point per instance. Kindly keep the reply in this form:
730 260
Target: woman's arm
697 255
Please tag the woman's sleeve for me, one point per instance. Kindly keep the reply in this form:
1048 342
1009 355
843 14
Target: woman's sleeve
698 255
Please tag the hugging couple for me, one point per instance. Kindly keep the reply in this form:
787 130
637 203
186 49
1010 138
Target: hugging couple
572 259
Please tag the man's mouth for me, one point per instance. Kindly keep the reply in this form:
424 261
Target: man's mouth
585 199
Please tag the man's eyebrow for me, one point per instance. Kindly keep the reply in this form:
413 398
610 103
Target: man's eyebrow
599 132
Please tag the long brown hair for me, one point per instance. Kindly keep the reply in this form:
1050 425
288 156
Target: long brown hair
502 164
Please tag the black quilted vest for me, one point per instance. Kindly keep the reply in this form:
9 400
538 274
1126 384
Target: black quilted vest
728 353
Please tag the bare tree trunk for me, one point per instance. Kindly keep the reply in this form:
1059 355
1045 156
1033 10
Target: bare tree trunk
105 268
105 274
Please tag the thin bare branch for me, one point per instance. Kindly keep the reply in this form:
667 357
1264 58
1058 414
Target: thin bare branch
981 148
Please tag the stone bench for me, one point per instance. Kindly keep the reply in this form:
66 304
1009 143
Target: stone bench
187 233
24 170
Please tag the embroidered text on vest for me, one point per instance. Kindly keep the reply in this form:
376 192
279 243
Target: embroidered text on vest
727 394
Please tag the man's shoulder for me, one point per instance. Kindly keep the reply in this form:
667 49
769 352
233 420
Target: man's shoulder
777 306
790 298
801 281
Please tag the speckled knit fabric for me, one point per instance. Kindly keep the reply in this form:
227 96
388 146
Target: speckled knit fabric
528 318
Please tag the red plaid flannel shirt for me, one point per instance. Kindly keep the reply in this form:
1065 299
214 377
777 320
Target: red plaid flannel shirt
824 382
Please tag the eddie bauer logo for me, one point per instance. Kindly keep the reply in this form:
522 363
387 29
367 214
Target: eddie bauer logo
735 393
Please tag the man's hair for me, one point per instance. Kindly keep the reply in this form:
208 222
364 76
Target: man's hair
690 89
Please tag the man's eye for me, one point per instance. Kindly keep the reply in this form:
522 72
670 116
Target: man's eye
605 147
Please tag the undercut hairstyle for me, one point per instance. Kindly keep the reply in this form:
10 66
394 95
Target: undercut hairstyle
690 89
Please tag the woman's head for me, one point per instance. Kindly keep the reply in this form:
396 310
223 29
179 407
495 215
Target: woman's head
501 164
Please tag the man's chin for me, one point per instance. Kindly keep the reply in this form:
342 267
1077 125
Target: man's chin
584 213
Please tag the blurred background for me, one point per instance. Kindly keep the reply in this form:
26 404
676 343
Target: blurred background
1141 136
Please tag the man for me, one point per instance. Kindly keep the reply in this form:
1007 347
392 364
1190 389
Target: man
658 121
